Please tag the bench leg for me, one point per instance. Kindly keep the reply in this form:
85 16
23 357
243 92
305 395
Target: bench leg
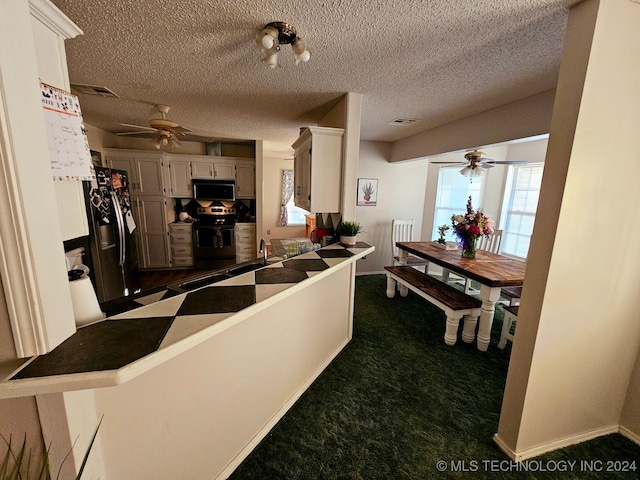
404 291
506 329
391 287
469 328
451 330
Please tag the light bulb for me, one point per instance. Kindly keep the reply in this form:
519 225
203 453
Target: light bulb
267 41
271 60
303 57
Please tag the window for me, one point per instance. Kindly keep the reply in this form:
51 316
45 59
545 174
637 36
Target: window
521 202
296 214
289 213
451 198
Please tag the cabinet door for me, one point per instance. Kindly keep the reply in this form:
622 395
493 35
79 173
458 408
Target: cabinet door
202 170
225 171
153 236
245 181
180 177
149 173
302 177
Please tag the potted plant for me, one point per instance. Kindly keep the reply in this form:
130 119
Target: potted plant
348 231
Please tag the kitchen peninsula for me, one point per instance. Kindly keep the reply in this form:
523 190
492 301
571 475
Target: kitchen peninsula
190 384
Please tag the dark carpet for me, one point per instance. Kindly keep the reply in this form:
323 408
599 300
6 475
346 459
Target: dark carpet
397 400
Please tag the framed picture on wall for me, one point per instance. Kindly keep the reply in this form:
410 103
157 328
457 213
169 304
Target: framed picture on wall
367 191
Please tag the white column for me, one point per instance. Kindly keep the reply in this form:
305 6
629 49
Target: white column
578 334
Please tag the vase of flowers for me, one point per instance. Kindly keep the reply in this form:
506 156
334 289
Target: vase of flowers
469 227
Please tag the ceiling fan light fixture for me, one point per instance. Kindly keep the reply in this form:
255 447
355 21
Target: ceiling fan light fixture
274 34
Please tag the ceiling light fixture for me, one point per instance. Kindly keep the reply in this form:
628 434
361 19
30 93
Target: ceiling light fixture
472 171
275 34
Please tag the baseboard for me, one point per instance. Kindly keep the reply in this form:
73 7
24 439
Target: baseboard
263 432
362 274
634 437
555 445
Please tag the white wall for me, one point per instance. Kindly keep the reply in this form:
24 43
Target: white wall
401 191
522 119
578 333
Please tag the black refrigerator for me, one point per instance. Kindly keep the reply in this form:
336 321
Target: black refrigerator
111 235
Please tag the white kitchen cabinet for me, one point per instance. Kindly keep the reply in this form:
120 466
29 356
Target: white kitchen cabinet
181 240
213 168
202 169
206 166
152 232
318 169
225 169
180 178
145 169
245 242
245 179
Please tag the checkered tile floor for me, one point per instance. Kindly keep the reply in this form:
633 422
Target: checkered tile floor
167 317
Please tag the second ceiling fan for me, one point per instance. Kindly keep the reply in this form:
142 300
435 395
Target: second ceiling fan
476 161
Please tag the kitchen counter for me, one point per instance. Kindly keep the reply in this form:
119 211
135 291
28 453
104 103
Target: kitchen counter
188 386
122 347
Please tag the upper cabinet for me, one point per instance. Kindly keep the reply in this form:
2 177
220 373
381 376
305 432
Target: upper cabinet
184 168
245 178
146 170
318 169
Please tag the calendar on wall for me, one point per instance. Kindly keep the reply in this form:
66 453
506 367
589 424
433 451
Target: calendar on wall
67 138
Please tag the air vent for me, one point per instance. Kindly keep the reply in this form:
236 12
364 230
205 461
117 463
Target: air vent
93 90
403 121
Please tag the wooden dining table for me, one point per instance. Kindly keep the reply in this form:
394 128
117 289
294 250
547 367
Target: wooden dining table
492 271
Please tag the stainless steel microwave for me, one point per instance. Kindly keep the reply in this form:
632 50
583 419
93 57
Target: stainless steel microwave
223 190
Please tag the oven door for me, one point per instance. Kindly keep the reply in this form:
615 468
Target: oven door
214 242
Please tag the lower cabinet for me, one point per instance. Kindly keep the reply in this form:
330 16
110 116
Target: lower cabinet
151 232
245 242
181 240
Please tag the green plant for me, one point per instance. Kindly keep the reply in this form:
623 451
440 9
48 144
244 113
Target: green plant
368 190
18 466
349 229
442 229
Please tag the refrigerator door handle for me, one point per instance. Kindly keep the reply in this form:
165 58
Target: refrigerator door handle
120 227
122 239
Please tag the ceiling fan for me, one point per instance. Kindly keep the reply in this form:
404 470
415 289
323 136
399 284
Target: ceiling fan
164 132
476 161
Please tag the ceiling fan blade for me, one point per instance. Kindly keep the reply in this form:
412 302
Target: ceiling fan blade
134 133
504 162
486 165
181 130
450 163
137 126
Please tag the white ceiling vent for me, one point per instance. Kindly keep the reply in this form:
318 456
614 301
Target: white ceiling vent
93 90
403 121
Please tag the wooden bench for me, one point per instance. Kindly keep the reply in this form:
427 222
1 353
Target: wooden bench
512 294
455 303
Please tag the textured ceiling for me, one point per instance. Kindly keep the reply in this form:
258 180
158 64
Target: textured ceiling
435 61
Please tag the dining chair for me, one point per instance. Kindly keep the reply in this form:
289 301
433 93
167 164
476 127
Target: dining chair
402 231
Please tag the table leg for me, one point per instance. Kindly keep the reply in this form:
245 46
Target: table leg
489 295
469 328
391 287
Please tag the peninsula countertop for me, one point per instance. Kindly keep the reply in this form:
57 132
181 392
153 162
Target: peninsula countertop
119 348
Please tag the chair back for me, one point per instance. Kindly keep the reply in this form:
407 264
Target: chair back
401 231
491 243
